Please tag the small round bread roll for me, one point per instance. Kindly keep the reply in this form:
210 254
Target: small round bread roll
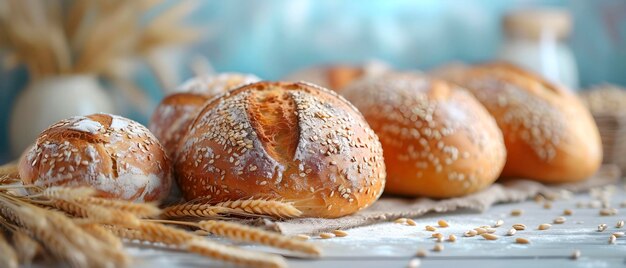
172 117
438 140
337 77
288 141
549 135
116 156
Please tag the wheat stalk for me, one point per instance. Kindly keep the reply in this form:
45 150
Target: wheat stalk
245 233
194 210
8 257
263 207
57 245
96 214
61 237
235 255
153 232
67 193
140 210
98 253
103 234
159 233
25 247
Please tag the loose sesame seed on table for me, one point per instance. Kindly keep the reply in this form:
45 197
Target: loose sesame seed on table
576 232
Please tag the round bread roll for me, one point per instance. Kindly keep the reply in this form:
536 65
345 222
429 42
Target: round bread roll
289 141
337 77
438 140
549 135
175 113
116 156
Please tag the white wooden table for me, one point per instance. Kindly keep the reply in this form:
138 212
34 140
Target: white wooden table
393 245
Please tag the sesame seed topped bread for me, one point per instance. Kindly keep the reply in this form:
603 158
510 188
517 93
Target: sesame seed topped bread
438 140
175 113
549 135
116 156
289 141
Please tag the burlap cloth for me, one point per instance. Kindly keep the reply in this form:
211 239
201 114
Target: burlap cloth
390 208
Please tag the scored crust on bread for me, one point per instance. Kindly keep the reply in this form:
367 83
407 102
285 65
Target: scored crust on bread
290 141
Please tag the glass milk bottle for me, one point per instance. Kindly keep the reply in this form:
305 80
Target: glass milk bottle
535 40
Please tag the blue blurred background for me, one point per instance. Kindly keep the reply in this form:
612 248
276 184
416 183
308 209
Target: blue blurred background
272 38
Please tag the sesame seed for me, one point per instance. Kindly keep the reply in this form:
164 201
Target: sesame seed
567 212
470 233
511 232
489 236
340 233
400 220
612 239
326 235
521 240
421 253
519 227
608 212
452 238
516 212
302 237
544 226
559 220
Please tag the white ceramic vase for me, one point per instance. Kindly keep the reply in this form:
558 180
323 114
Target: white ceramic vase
50 100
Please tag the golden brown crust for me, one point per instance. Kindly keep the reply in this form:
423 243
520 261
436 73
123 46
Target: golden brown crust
438 140
175 113
118 157
173 116
549 134
290 141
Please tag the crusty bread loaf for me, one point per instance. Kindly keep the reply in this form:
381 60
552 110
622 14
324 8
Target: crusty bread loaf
290 141
172 117
118 157
438 140
337 77
549 135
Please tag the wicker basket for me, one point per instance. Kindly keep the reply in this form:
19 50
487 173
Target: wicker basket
613 134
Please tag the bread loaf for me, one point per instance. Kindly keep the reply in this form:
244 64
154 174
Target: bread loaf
549 135
118 157
438 140
289 141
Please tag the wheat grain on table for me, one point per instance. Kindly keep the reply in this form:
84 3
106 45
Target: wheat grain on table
394 245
